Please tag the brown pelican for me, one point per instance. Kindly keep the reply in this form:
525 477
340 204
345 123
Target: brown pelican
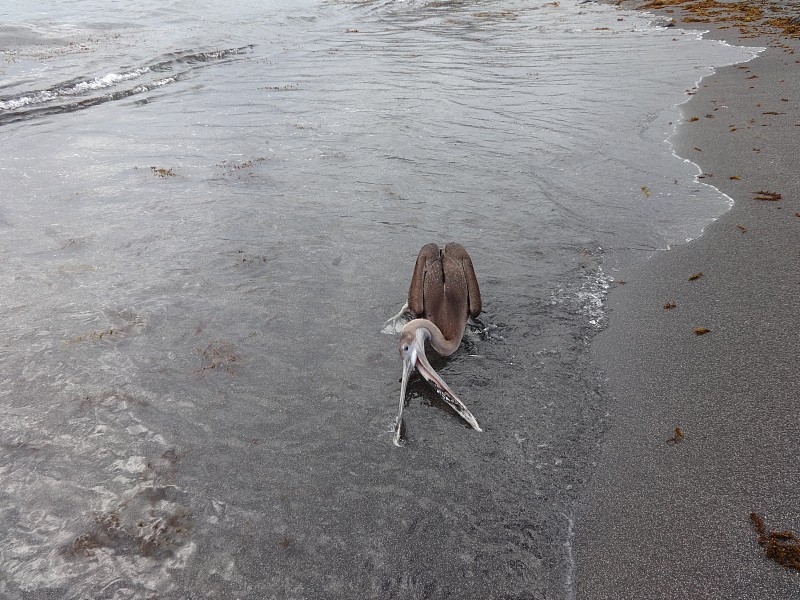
443 295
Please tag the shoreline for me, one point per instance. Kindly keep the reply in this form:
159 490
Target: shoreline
705 428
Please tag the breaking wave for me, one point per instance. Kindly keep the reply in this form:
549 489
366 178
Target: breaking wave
78 94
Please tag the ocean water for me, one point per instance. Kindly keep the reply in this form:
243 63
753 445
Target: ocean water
208 210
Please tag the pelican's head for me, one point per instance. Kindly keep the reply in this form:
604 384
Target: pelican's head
412 351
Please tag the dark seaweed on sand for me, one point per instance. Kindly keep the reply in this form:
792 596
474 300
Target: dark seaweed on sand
781 546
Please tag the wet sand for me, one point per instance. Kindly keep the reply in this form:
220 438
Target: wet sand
668 515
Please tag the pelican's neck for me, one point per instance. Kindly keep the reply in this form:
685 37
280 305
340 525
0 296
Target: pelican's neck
423 329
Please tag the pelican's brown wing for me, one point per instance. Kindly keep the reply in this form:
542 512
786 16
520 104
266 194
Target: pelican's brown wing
428 257
461 256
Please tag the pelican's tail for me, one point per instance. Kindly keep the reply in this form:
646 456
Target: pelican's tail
397 322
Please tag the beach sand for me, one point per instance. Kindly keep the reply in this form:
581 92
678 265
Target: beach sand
706 426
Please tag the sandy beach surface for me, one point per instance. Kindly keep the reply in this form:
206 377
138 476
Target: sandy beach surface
701 351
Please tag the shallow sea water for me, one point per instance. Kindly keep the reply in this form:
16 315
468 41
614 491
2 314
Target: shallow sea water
208 212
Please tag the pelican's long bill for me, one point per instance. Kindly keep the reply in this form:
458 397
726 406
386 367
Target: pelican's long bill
416 358
408 368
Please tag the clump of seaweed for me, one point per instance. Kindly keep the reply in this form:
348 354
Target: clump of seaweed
244 259
163 172
788 26
149 523
767 196
677 436
781 546
701 330
695 276
218 354
156 537
231 166
92 335
106 532
750 18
